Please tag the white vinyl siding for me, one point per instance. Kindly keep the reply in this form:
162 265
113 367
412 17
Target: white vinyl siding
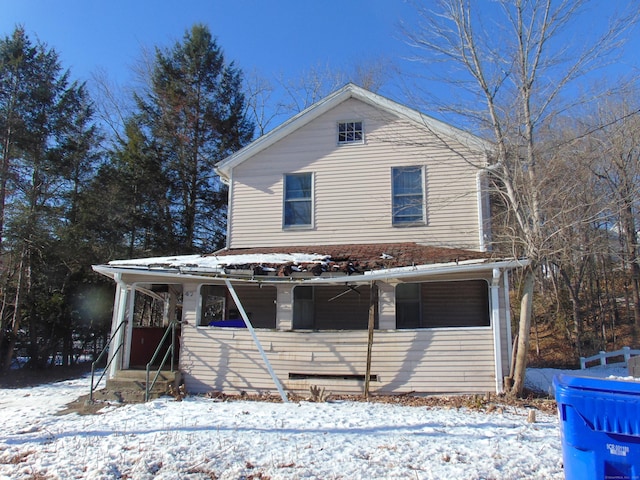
425 361
435 360
352 200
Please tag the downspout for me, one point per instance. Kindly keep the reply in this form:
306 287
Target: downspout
247 322
495 320
507 316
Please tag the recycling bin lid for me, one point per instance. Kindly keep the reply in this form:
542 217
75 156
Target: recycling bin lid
594 384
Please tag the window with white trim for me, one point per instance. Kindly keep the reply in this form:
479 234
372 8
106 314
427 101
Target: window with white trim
408 195
350 132
298 200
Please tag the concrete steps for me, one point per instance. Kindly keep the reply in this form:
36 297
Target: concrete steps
128 386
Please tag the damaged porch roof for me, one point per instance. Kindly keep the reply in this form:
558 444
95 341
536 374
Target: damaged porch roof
355 258
346 259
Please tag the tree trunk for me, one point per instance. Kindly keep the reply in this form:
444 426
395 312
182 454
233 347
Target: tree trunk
635 284
577 321
15 320
522 352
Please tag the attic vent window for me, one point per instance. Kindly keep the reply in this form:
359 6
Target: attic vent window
350 132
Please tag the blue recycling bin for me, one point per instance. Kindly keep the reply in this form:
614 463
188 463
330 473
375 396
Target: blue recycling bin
599 427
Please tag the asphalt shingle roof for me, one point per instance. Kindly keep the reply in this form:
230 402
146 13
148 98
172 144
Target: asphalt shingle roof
352 258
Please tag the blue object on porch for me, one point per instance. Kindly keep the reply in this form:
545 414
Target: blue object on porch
239 323
599 427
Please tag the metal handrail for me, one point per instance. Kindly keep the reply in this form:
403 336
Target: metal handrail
94 386
149 385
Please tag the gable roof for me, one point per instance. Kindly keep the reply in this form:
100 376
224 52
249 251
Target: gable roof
224 167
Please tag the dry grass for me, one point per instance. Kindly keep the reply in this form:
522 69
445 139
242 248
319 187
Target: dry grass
18 458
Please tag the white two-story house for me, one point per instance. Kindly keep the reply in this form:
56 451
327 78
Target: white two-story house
357 252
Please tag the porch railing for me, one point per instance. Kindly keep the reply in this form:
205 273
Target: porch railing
105 350
171 329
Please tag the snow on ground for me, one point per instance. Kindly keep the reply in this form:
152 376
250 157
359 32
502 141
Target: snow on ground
201 438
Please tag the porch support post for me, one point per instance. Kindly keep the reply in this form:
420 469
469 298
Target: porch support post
119 316
247 322
126 348
373 314
497 331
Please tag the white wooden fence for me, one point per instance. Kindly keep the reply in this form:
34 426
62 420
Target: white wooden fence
602 357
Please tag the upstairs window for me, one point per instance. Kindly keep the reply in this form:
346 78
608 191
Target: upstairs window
408 195
298 204
350 132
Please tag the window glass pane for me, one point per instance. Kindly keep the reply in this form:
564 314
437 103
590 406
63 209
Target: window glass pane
298 186
408 209
297 200
408 181
408 195
350 132
297 213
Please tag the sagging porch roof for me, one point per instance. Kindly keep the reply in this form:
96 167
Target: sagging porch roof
356 258
349 263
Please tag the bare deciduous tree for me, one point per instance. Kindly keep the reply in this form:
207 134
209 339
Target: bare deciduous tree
269 101
617 165
515 64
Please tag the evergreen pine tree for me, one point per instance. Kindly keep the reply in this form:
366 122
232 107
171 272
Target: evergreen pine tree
194 111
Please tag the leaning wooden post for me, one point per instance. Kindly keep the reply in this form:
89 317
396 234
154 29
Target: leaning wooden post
247 322
373 315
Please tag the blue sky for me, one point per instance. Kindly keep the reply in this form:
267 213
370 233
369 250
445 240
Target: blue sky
276 38
280 37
